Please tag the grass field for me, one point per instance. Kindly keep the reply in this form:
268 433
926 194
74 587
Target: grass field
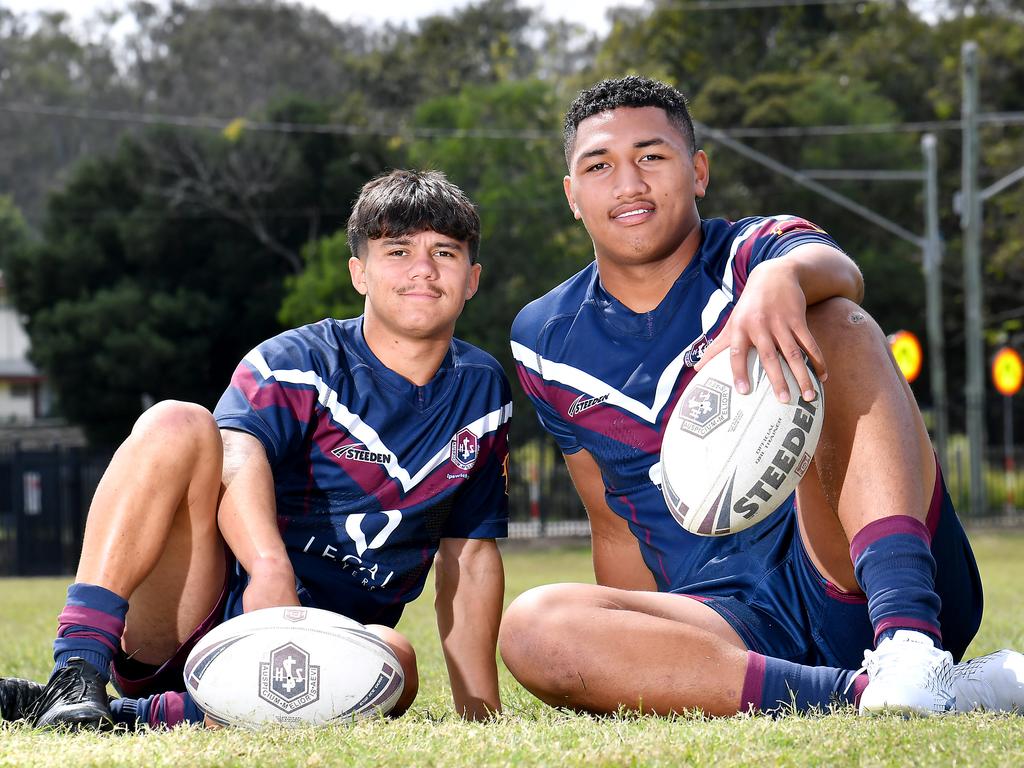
529 733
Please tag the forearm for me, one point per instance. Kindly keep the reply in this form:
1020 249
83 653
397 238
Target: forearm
470 589
615 551
248 511
822 272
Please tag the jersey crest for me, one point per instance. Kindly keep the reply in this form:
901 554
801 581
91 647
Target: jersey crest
464 449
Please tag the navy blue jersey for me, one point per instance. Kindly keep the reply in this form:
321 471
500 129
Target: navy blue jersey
605 379
370 470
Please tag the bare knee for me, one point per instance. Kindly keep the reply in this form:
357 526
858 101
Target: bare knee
840 322
177 420
539 640
177 434
406 655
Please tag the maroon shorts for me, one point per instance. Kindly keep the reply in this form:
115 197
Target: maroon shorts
135 679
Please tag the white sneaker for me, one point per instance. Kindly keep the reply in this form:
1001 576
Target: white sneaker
907 675
994 683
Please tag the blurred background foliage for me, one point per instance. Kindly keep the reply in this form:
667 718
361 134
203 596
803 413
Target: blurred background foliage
172 195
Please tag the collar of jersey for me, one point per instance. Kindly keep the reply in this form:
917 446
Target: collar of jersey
644 325
422 398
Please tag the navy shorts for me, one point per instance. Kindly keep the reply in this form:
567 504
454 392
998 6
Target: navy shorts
794 613
137 680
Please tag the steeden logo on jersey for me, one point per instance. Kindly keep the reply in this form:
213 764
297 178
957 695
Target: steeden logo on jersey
584 402
358 452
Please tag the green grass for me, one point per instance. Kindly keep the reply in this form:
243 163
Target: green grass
529 733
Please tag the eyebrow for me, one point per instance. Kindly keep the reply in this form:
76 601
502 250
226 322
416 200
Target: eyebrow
600 151
452 244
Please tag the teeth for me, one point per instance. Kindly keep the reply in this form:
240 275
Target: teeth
633 213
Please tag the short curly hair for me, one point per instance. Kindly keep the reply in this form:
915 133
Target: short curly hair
629 91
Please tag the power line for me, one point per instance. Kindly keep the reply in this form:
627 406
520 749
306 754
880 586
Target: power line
218 124
735 5
922 126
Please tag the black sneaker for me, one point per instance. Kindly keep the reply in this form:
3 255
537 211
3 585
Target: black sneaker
17 697
76 695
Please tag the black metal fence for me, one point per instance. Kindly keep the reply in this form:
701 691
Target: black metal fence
45 495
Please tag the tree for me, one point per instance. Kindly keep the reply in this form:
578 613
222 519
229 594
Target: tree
14 236
46 64
162 264
227 58
323 288
530 241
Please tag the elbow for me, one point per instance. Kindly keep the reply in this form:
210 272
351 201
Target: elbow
858 285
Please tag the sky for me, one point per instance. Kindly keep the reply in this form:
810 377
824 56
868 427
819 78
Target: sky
590 13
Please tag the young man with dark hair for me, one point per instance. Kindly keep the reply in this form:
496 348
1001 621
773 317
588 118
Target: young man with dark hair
867 559
345 458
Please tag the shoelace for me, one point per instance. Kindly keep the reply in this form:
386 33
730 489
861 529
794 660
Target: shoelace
942 673
68 682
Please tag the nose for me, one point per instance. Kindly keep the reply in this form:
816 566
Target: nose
629 182
422 265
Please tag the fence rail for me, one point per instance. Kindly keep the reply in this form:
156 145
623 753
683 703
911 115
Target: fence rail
45 494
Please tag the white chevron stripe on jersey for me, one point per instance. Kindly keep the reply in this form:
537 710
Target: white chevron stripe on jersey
720 299
582 381
366 434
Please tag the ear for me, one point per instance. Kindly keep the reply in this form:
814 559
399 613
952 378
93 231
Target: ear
357 271
701 173
567 186
473 282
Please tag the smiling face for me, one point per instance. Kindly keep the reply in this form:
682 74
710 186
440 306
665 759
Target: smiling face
634 181
416 284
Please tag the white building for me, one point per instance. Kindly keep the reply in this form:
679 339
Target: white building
24 395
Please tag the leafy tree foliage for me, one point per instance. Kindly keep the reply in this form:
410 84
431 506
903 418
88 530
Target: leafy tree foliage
530 240
323 288
158 235
48 63
869 64
162 264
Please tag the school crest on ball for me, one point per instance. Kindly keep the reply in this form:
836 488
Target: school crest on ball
464 449
287 680
704 408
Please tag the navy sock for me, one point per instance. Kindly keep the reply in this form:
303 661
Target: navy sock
774 685
90 627
893 563
162 710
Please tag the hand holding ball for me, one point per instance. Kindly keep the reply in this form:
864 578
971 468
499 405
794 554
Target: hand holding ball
729 460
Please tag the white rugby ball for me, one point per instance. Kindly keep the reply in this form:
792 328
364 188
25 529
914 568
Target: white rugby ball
729 460
292 666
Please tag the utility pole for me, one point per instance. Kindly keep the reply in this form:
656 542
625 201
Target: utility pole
970 222
933 296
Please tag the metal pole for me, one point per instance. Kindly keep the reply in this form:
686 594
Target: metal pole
933 297
970 221
1011 495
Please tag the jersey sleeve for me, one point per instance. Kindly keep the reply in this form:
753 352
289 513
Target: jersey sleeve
762 239
481 504
528 369
272 396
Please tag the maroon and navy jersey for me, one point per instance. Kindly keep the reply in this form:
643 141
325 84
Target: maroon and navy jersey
370 470
605 379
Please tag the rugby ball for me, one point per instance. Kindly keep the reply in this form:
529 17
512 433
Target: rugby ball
729 460
292 666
